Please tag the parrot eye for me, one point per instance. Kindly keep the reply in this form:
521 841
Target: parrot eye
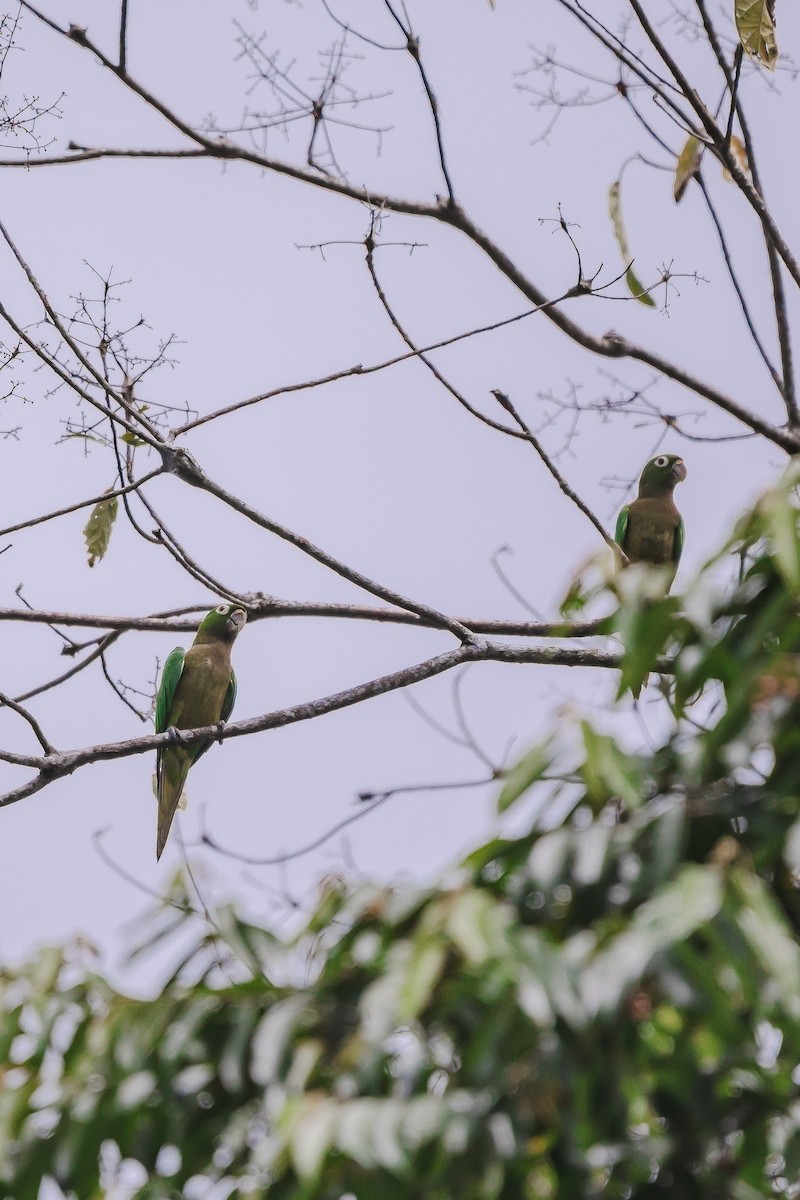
661 461
222 609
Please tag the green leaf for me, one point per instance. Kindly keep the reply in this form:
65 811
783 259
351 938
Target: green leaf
645 627
770 938
312 1134
636 289
674 912
615 212
478 925
524 774
97 531
576 599
755 24
609 772
131 439
422 975
781 524
686 167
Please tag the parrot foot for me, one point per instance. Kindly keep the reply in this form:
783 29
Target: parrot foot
174 734
220 731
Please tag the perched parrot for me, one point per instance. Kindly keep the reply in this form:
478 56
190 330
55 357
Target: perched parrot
650 528
198 687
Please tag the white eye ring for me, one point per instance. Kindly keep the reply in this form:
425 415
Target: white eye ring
222 609
661 461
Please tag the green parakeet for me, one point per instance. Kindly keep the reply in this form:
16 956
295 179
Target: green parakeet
198 687
650 528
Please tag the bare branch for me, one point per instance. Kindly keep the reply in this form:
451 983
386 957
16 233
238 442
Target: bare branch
55 766
260 608
83 154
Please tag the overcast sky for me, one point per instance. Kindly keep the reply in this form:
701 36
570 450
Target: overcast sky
387 471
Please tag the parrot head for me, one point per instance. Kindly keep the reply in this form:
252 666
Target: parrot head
224 622
661 474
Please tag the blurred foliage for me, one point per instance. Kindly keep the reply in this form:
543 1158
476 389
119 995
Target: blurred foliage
606 1004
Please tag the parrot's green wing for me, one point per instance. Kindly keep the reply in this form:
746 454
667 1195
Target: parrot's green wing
173 669
227 709
230 698
680 537
622 526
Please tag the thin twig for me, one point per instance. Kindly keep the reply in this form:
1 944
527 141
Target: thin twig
412 45
167 539
7 702
123 36
275 860
358 369
71 508
568 491
726 254
102 645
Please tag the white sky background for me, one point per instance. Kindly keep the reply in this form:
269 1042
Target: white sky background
387 472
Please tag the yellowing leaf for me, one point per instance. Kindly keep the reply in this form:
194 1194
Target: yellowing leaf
686 166
740 156
98 528
755 23
615 212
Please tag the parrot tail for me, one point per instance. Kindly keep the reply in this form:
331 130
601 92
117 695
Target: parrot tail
173 769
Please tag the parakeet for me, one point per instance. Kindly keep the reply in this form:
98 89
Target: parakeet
650 528
198 687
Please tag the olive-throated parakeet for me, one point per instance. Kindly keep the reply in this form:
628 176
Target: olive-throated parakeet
650 528
198 687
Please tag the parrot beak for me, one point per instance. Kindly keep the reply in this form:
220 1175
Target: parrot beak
679 470
238 618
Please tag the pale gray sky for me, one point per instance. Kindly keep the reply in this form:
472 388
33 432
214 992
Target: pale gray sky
387 472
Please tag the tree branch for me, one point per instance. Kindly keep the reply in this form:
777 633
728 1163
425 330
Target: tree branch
260 608
55 766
